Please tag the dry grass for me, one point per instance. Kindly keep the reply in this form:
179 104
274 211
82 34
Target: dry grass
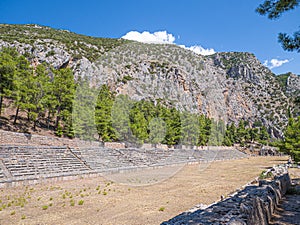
104 202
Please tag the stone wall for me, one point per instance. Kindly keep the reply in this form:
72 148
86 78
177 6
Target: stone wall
14 138
253 205
114 145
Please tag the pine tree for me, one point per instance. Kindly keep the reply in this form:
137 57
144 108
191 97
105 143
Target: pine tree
274 9
41 91
157 128
23 88
103 114
241 133
62 91
138 123
230 135
189 128
263 134
173 124
83 115
7 73
120 115
291 142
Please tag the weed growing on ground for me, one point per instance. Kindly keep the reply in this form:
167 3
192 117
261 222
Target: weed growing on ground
72 202
80 202
161 209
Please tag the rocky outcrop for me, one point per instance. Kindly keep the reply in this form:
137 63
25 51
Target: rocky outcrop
293 84
228 86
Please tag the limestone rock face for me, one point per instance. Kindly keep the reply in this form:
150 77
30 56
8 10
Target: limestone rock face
229 86
293 84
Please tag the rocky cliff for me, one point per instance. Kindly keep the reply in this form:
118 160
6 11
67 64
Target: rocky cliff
228 86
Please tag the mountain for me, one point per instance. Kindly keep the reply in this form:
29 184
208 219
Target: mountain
230 86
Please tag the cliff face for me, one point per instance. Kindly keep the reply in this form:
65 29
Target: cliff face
229 86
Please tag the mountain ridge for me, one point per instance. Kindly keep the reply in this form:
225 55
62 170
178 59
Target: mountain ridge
230 86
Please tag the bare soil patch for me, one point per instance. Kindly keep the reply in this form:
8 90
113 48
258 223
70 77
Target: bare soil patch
100 201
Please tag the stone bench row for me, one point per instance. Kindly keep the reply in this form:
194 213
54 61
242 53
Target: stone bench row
22 161
110 158
1 174
102 158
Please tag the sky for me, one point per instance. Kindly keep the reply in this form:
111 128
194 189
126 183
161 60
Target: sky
199 25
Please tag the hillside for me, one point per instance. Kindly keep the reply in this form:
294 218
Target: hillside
230 86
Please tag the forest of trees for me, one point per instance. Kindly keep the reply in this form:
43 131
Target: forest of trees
45 95
52 99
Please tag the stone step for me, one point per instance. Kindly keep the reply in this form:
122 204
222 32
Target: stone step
24 161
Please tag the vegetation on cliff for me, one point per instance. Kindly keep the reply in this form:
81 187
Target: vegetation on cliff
47 97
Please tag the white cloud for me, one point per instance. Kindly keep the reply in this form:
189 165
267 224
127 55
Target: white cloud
274 63
200 50
162 37
159 37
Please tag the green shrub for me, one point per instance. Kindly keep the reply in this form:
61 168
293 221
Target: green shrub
80 202
50 53
161 209
72 202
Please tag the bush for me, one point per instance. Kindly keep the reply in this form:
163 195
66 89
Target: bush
50 53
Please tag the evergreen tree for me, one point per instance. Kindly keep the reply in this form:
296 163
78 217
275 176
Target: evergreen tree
230 135
40 94
157 130
241 133
173 124
23 88
189 128
263 134
120 115
274 9
254 134
62 91
83 115
103 114
291 142
138 122
217 133
7 73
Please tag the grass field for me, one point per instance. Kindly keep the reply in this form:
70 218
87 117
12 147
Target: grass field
101 201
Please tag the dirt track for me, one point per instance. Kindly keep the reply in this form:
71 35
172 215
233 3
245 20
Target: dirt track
112 203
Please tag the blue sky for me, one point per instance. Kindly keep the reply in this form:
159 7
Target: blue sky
221 25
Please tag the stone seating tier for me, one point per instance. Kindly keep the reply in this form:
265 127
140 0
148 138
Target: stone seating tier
35 162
